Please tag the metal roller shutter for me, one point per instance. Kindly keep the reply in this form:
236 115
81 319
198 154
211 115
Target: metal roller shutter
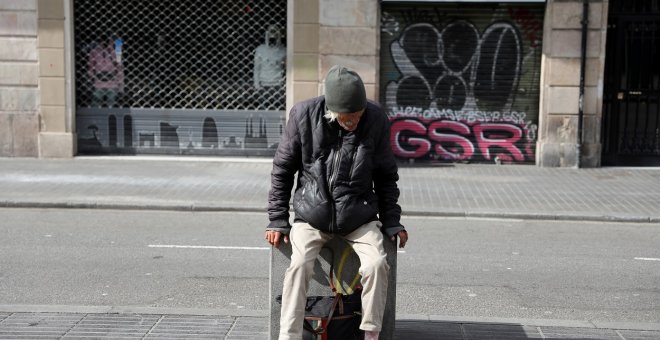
201 77
461 82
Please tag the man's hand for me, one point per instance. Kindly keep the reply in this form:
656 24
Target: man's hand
273 237
403 238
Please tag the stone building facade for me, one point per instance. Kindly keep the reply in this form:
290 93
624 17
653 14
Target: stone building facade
561 79
37 90
35 111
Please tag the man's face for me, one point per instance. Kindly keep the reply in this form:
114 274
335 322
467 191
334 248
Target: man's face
349 121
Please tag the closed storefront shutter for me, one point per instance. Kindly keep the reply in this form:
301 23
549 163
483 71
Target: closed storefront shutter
460 81
201 77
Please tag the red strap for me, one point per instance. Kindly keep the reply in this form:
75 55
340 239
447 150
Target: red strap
334 305
338 300
324 336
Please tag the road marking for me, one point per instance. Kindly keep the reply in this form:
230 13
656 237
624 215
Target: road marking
647 259
205 247
219 247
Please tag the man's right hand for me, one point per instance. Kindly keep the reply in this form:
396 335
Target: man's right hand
274 237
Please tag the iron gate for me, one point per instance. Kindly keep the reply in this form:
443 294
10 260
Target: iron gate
180 77
631 122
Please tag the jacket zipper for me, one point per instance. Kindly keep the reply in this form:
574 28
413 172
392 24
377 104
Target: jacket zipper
333 178
350 172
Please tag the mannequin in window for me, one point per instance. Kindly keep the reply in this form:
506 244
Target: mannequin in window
106 71
270 60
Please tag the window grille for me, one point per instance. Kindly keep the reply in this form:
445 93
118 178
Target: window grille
183 54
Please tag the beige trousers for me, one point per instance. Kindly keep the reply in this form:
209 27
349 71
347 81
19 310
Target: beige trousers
306 244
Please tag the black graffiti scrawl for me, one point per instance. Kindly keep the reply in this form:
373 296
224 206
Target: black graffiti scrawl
456 90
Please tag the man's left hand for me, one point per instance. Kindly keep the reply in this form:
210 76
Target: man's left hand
403 238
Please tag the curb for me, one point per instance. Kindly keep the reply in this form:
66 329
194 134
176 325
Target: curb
409 213
121 206
131 310
535 216
639 326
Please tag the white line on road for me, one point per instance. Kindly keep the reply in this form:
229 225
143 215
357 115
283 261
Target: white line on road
646 259
205 247
219 247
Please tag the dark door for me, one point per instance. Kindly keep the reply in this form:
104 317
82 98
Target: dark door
631 121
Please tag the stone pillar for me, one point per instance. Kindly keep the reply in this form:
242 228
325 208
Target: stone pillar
322 33
560 80
349 34
19 93
56 137
302 79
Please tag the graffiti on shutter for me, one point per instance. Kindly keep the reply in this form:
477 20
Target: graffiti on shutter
461 83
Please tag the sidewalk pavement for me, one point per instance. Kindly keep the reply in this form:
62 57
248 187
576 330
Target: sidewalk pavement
221 184
182 326
217 184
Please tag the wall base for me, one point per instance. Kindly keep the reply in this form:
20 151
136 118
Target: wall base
564 155
57 145
18 135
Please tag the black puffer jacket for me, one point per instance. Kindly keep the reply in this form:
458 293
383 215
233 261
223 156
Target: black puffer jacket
345 179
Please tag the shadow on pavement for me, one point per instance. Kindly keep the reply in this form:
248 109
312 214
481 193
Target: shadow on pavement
434 330
427 330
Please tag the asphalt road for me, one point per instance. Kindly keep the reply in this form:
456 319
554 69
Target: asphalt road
451 266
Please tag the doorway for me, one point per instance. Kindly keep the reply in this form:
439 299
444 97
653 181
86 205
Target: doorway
631 117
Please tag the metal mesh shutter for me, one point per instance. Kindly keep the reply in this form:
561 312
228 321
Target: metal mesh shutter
461 82
192 76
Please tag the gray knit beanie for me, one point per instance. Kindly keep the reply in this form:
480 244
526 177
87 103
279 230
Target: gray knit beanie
344 90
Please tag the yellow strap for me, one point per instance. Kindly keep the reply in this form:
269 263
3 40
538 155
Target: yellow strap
340 269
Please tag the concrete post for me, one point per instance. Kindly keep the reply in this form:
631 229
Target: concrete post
346 264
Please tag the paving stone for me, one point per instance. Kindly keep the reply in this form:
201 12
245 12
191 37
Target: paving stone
639 335
427 330
503 332
37 325
113 326
249 328
579 333
191 327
